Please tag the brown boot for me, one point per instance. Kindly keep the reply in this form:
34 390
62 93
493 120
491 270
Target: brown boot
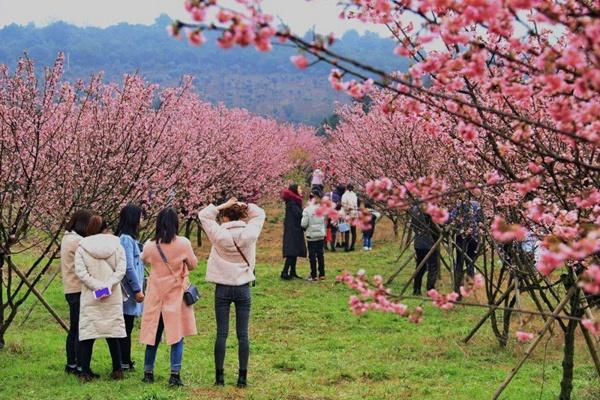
117 375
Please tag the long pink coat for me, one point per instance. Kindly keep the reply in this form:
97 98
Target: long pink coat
164 293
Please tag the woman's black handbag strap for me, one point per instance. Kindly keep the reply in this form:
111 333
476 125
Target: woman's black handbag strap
191 294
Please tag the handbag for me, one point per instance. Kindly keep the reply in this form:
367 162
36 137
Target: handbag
245 260
191 294
343 227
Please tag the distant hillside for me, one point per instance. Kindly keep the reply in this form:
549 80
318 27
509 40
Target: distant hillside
267 84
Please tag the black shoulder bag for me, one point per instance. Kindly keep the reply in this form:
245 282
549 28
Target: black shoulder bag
191 295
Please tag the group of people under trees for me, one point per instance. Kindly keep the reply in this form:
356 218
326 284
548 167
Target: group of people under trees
106 289
305 230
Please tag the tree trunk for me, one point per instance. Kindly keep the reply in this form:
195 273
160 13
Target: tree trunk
1 300
568 363
188 227
396 223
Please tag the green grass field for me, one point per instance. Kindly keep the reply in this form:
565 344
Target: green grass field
305 345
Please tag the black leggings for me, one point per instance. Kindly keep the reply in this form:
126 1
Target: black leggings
350 238
289 267
125 343
241 297
72 344
86 348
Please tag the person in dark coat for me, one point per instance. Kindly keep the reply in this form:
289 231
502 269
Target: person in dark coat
294 245
426 235
466 218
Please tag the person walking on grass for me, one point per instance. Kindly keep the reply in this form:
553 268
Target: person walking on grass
171 258
133 283
100 265
75 231
373 216
350 207
293 237
426 235
466 218
314 229
336 198
231 265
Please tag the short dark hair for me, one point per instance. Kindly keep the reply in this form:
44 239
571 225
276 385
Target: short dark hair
167 225
79 222
96 225
235 212
350 187
293 188
129 221
316 193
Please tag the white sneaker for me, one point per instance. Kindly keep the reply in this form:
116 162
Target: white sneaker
365 248
369 248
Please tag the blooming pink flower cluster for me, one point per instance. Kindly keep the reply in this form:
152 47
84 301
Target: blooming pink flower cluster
504 232
374 296
592 326
590 280
524 336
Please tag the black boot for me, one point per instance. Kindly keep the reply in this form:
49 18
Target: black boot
71 370
220 377
285 276
242 378
148 377
293 273
175 380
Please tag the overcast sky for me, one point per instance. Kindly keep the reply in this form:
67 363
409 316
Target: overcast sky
298 14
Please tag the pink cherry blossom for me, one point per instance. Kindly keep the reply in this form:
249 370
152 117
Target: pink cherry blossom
524 336
300 61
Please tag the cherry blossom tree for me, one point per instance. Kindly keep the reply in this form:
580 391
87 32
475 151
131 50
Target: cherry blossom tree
517 82
96 145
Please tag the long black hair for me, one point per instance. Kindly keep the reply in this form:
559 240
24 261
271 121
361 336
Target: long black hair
129 221
167 225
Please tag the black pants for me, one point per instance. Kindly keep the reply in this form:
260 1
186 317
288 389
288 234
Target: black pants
430 266
125 343
86 348
350 245
241 297
316 257
72 344
465 246
334 231
289 266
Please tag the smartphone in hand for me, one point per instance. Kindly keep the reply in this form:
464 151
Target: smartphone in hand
102 293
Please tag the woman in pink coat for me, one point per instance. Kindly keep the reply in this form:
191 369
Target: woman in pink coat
231 267
164 308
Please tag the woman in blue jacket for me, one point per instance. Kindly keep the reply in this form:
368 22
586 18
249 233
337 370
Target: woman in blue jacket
133 282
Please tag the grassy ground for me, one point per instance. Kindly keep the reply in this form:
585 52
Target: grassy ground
305 345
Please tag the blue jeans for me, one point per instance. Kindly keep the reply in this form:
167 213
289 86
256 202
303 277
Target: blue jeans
176 351
367 237
241 297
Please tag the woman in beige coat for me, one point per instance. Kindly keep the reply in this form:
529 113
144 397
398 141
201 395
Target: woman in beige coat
231 267
100 264
164 308
75 231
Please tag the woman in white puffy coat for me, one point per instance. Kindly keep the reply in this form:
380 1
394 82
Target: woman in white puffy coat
100 263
